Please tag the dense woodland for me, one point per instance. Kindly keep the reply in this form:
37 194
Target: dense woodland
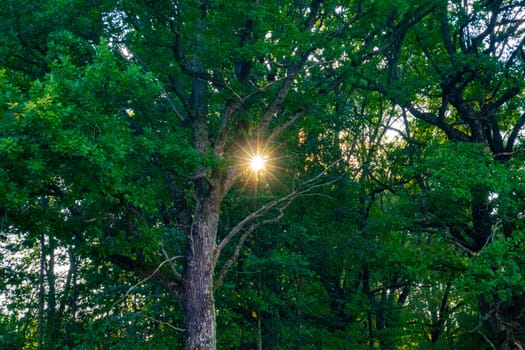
389 213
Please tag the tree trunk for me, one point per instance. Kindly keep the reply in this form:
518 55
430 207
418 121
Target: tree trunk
51 323
41 293
198 303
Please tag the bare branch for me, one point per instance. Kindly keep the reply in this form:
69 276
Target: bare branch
225 268
278 204
170 261
232 259
285 125
277 102
477 329
167 324
144 280
460 245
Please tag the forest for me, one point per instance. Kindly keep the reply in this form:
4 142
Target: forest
262 174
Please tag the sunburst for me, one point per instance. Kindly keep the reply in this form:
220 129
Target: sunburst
258 162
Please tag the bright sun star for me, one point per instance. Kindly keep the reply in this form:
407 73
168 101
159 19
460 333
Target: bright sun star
257 163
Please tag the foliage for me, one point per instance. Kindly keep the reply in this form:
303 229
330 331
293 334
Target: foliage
393 133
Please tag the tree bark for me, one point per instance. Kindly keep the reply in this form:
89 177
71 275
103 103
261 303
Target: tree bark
197 278
198 302
41 293
52 325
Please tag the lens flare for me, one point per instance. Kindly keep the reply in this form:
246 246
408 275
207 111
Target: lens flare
258 163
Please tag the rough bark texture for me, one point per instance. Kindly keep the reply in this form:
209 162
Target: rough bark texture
199 307
197 278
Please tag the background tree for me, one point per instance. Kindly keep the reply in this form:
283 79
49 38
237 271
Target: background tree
460 70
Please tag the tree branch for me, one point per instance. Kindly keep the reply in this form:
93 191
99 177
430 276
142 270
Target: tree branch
277 102
278 204
152 275
231 108
514 133
225 268
167 324
277 131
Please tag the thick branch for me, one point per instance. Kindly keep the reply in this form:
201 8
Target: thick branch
514 134
277 131
231 108
277 102
490 27
512 92
445 33
431 118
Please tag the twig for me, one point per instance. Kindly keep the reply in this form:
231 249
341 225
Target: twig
266 208
477 329
225 268
164 323
164 262
171 263
279 204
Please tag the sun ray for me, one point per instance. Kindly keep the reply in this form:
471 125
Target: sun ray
260 165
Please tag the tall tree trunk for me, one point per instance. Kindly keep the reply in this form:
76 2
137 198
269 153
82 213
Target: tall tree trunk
197 278
52 325
41 293
198 302
73 260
